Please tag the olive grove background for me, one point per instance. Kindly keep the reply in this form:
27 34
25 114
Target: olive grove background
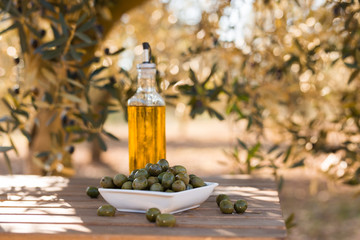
285 72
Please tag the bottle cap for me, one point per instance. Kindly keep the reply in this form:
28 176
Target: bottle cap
146 57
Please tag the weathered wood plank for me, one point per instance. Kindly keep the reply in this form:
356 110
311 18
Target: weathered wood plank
134 232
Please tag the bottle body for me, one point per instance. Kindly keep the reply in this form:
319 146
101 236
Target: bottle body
147 142
146 121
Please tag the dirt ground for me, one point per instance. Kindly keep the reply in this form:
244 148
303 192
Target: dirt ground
323 209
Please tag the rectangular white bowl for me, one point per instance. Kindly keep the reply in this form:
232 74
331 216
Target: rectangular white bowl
167 202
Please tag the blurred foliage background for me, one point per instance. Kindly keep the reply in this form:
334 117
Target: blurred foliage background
287 69
286 72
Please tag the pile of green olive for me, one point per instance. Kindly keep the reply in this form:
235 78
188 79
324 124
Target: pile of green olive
155 177
227 207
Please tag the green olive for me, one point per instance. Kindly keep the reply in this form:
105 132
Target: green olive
171 170
240 206
189 186
169 190
127 185
192 175
152 180
164 164
165 220
197 182
161 176
107 182
157 187
226 206
155 170
140 183
167 180
179 169
178 186
119 179
152 213
132 175
141 172
183 177
221 197
92 191
147 166
106 210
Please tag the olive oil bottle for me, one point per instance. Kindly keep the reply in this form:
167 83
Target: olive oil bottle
146 118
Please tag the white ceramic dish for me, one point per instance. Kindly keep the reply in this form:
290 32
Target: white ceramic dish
140 201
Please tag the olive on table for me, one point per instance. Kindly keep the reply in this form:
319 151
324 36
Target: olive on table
165 220
169 190
132 175
221 197
106 210
92 191
140 183
189 186
107 182
152 213
157 187
119 179
226 206
240 206
164 164
178 186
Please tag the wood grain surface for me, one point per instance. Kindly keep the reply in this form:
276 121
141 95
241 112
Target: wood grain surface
34 207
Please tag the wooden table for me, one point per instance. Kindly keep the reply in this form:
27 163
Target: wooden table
33 207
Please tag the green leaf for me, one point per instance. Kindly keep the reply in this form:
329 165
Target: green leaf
5 149
13 145
75 83
280 183
64 26
47 5
8 162
110 135
74 54
71 97
96 72
250 121
86 26
7 104
273 149
193 77
117 52
289 222
351 65
213 70
23 39
299 163
254 149
81 19
54 43
51 54
15 25
83 37
76 7
213 112
42 154
287 155
55 31
51 120
84 44
33 30
353 75
26 134
101 142
241 143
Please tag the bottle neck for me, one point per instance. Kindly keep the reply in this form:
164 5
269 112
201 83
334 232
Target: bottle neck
146 80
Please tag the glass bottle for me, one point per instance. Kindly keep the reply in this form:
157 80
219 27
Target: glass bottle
146 117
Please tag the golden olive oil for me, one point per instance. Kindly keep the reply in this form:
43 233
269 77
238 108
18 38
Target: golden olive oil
147 143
